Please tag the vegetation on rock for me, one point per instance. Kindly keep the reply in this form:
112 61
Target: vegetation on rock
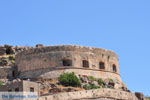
101 82
86 82
90 86
11 57
148 98
69 79
91 78
1 83
7 60
111 80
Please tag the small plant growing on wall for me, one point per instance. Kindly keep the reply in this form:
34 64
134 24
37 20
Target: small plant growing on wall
90 86
69 79
91 78
1 83
101 82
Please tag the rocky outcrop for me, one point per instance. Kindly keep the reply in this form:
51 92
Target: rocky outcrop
139 95
2 50
94 94
10 50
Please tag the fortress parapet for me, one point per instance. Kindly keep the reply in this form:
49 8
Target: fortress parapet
68 55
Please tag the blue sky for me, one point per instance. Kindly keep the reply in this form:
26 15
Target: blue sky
119 25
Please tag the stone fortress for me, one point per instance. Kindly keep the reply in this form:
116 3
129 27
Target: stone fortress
35 66
50 62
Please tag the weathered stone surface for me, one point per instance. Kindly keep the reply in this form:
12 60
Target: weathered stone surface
52 56
50 60
54 90
99 99
98 94
69 89
6 72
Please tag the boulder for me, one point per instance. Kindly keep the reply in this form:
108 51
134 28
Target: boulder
55 90
84 79
39 45
69 90
139 95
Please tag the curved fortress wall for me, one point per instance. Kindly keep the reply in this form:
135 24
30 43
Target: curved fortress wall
51 61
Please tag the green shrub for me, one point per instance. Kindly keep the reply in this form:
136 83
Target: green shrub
69 79
148 98
91 78
1 83
101 82
90 86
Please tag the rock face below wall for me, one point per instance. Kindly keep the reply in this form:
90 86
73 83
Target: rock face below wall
99 99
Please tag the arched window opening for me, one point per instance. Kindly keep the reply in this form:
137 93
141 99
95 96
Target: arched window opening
102 55
108 58
13 73
31 89
67 62
114 68
85 63
101 65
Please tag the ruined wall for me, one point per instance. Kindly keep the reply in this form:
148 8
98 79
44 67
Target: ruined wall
28 84
11 87
52 56
109 94
23 86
